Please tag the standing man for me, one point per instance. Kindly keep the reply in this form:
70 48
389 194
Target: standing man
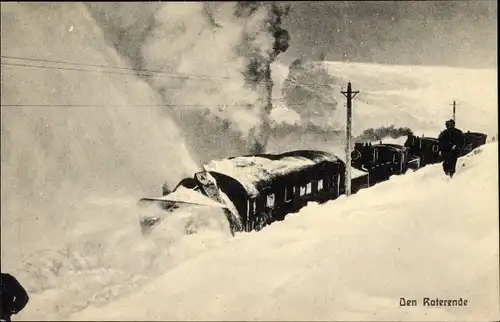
13 296
451 142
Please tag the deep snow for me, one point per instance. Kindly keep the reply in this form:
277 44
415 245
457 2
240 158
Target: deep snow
417 235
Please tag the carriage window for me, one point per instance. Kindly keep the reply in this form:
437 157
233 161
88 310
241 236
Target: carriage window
270 200
320 185
435 148
248 209
394 158
309 188
289 190
375 155
302 190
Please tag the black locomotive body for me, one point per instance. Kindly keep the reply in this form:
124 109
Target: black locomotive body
472 140
426 148
383 160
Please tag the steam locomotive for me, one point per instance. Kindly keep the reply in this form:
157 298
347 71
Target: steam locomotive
255 190
384 160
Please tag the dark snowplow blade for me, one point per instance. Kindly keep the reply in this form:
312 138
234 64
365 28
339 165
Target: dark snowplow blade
148 222
170 202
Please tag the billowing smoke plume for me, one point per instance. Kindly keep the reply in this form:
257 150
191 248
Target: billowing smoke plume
214 60
382 133
281 114
308 90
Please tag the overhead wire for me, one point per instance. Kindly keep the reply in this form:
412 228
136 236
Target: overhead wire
135 105
131 71
136 72
98 65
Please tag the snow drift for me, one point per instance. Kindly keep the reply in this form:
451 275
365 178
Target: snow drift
74 165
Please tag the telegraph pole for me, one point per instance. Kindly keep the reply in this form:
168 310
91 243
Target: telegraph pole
349 94
454 107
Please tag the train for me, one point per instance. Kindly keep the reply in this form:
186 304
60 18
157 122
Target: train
427 148
256 190
383 160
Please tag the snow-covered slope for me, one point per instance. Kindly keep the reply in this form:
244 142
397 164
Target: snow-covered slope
415 236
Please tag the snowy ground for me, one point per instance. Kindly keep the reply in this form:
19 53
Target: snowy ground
418 235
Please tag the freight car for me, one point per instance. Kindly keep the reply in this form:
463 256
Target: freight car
256 190
383 160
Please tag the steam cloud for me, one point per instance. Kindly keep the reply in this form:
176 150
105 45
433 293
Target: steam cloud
223 114
281 114
306 90
383 132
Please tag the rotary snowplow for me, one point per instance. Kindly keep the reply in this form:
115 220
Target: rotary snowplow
201 190
254 190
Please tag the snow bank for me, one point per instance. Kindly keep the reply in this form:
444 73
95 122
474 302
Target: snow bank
415 236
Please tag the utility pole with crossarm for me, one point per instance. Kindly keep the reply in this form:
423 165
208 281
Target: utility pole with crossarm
349 94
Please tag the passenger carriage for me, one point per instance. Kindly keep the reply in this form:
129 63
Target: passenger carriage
266 187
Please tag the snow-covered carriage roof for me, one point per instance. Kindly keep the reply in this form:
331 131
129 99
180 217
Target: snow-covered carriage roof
251 170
